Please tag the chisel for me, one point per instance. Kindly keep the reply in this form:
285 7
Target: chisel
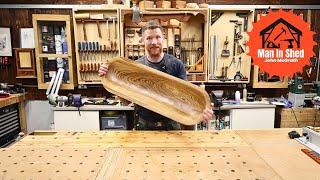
80 51
94 50
90 50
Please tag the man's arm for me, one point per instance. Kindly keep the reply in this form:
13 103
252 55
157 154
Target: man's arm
181 71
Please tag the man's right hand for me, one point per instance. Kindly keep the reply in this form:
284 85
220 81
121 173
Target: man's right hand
103 70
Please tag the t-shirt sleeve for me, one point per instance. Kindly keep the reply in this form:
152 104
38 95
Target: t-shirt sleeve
181 72
141 60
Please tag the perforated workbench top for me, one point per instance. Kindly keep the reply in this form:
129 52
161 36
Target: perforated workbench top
263 154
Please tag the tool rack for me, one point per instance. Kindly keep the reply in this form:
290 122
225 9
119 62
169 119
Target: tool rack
97 39
228 59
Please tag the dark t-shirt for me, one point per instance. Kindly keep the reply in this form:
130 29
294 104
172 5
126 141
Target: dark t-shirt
170 65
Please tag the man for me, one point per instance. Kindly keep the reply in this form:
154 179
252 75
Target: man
152 37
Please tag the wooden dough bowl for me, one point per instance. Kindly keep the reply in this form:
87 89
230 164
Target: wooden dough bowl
162 93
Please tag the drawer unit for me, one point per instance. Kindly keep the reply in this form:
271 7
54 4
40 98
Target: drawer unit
9 123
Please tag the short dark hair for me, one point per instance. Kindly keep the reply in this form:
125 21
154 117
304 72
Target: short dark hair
152 24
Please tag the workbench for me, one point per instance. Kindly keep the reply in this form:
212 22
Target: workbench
227 154
16 99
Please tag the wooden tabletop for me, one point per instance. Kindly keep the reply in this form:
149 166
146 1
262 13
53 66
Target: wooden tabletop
12 99
229 154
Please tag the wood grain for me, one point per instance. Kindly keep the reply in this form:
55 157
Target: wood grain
139 139
162 93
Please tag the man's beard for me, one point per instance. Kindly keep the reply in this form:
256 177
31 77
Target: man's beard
154 50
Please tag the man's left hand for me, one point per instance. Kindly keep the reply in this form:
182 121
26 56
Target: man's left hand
207 114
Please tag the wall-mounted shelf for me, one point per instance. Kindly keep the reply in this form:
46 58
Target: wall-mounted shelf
54 55
53 48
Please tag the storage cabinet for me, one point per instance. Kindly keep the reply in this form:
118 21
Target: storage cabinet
259 118
96 40
185 36
93 117
53 48
246 115
76 120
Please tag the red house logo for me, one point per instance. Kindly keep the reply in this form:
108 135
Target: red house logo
281 33
281 43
